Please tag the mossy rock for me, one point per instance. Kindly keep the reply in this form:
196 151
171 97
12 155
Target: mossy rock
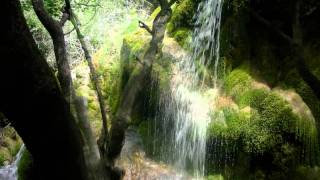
10 145
265 122
183 37
182 15
133 49
237 83
231 126
5 156
253 98
25 166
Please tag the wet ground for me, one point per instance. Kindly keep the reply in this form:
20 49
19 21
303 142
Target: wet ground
139 167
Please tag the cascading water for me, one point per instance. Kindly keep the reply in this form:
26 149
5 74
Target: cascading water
181 124
10 172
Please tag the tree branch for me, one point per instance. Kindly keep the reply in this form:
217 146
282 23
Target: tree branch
70 31
66 13
48 22
56 32
146 27
93 75
64 18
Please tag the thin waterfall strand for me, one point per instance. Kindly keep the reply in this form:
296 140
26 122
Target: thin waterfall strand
184 113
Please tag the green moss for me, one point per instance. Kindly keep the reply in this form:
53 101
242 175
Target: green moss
277 115
143 129
154 14
305 172
182 36
2 159
264 123
4 156
253 98
10 145
215 177
15 149
275 119
138 41
24 166
229 124
237 83
182 15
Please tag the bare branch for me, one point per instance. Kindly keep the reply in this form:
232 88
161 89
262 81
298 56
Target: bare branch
66 13
56 32
146 27
70 31
88 5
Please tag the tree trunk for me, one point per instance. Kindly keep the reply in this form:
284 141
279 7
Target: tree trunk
91 150
31 99
56 32
94 79
136 83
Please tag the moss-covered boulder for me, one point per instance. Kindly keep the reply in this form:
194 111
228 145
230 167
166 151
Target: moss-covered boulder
10 143
275 126
159 81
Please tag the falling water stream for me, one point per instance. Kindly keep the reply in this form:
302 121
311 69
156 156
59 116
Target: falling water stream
185 112
10 172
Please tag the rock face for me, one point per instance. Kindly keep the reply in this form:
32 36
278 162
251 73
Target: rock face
297 104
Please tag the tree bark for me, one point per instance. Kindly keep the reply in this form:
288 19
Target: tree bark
296 25
136 83
56 32
91 150
93 75
31 99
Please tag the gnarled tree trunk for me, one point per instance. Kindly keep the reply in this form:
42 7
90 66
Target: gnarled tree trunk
56 32
32 100
136 82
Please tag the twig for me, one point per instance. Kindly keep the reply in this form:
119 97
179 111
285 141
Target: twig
70 31
146 27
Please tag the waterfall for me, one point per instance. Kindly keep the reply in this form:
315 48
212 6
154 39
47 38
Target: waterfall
10 172
184 113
